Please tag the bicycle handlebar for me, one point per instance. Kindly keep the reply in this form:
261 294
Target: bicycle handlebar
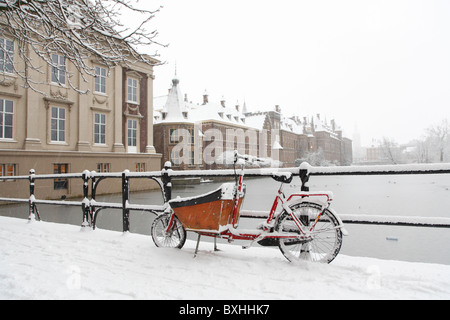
246 158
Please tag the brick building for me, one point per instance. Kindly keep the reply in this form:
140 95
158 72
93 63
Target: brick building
198 136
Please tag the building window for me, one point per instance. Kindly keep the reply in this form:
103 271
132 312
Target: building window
100 80
8 169
6 119
58 69
140 167
175 157
174 135
132 134
103 167
191 135
132 90
191 158
58 125
6 55
60 183
99 128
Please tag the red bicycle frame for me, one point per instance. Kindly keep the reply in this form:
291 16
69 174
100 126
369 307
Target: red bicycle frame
266 231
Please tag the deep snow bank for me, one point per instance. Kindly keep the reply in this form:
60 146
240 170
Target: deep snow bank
42 260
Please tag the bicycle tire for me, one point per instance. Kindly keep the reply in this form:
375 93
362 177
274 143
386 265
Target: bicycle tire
323 245
175 238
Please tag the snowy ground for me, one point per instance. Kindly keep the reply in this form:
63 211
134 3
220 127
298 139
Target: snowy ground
43 260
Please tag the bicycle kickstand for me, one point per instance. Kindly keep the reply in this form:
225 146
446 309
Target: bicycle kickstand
215 244
196 247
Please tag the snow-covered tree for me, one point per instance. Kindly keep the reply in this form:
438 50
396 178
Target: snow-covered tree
439 136
76 29
391 150
316 158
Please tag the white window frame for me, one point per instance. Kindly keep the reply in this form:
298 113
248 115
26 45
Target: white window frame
132 135
140 166
58 69
56 121
103 167
4 115
132 90
4 172
99 128
100 80
6 55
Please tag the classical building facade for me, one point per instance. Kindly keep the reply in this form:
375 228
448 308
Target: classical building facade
58 130
202 135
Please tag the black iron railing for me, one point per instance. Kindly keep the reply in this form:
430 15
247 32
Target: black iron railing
90 207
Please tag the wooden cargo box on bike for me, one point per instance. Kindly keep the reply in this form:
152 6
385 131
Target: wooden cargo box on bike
208 212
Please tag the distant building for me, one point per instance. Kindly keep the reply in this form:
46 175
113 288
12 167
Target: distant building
178 120
207 130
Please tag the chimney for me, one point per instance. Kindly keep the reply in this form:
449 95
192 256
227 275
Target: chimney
205 97
237 107
277 108
222 102
333 125
318 116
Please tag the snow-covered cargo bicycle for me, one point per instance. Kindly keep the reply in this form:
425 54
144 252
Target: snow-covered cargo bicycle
305 229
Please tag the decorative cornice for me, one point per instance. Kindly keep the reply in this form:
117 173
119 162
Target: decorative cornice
100 100
8 81
49 100
59 94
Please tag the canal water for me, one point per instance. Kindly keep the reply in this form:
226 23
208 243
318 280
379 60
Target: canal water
409 195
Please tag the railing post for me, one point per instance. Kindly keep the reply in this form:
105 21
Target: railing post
167 181
31 201
125 198
304 175
85 206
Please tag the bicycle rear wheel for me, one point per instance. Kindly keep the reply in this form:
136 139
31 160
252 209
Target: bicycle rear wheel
325 241
174 238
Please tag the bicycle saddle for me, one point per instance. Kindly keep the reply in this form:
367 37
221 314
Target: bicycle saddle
284 177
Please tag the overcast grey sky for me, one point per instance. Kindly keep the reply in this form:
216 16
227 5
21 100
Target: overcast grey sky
383 66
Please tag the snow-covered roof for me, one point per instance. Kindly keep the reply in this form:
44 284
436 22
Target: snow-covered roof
178 109
174 107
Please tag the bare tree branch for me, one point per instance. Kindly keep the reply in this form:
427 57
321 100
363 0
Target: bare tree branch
78 30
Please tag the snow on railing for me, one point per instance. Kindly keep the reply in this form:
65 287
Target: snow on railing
429 168
90 207
408 221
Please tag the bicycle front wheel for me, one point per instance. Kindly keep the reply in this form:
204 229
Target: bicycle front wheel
323 242
174 238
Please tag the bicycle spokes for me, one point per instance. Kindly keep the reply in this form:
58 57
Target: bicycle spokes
318 236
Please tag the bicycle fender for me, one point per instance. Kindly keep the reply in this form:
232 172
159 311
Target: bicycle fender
321 203
318 201
341 224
